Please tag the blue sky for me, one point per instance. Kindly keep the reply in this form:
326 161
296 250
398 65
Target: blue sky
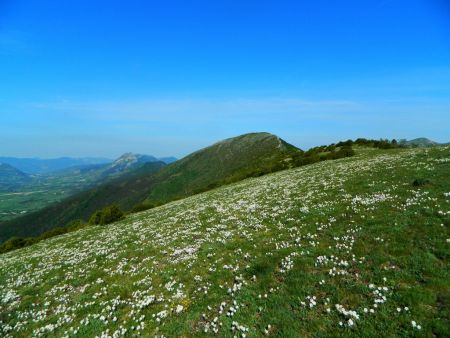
99 78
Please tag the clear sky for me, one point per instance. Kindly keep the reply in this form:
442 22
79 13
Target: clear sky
99 78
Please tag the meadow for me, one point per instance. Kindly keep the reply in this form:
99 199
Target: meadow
353 247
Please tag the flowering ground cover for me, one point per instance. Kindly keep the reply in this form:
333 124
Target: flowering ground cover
352 247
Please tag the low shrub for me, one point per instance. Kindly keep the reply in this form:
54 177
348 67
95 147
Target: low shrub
143 206
419 182
106 215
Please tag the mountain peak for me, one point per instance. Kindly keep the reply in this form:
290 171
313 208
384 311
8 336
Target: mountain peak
255 139
133 158
128 161
224 160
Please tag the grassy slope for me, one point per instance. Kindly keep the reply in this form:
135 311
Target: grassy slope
218 162
194 173
360 217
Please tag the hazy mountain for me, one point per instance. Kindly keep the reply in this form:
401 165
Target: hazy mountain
127 162
156 182
11 178
101 172
420 142
43 166
35 166
168 160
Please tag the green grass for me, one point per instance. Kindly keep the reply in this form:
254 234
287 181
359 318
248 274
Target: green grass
271 240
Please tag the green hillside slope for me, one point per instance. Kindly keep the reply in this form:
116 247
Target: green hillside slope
352 247
229 160
224 161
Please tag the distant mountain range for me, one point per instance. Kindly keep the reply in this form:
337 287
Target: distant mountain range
38 166
35 166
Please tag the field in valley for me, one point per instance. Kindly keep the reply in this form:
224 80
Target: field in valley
41 191
13 204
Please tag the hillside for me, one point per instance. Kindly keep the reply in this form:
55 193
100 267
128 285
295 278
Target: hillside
219 162
229 160
352 247
11 178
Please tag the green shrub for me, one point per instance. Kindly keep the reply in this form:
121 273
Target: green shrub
106 215
53 232
75 225
143 206
21 242
15 243
345 151
419 182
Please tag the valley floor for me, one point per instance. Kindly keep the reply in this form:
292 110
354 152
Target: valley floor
352 247
13 204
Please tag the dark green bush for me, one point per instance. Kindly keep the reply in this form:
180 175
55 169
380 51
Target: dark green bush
345 151
15 243
21 242
75 225
106 215
143 206
419 182
54 232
